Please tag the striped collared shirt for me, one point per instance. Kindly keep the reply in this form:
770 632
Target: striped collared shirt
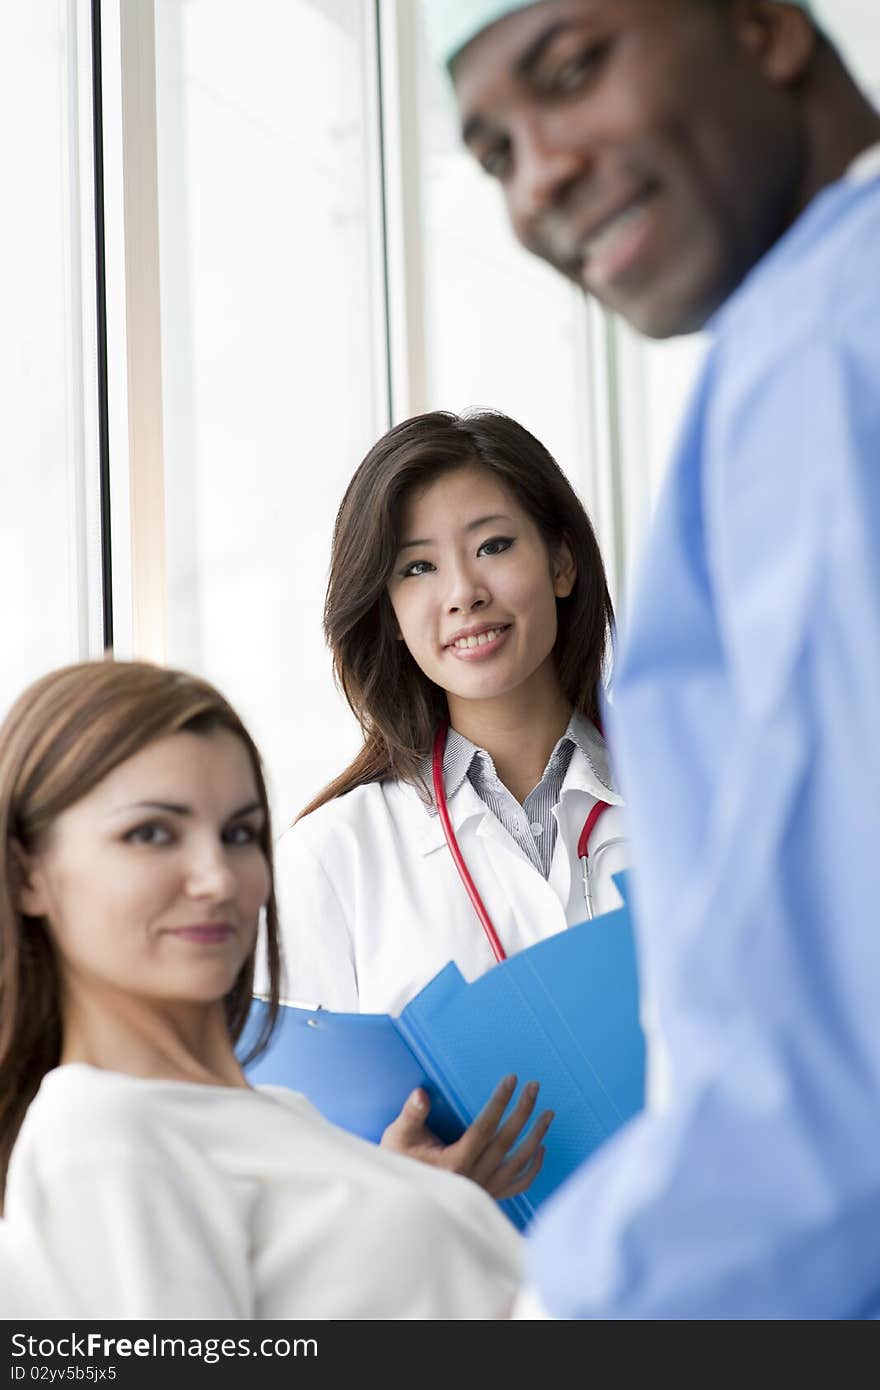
532 824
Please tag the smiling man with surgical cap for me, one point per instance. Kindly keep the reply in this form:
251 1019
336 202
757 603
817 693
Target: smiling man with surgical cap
711 163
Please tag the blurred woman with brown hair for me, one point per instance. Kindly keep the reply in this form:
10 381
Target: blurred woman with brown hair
143 1176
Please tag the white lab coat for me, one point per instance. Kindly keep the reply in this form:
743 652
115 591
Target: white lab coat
372 907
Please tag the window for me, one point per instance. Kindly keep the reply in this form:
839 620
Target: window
298 252
272 348
50 551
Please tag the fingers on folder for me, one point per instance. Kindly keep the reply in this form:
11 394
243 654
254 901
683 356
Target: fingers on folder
492 1151
503 1161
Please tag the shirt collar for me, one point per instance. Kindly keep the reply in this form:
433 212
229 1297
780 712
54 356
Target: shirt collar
587 739
865 166
460 753
457 758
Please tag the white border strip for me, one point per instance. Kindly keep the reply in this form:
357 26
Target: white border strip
141 212
134 328
399 36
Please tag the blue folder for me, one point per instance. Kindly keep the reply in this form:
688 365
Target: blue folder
563 1012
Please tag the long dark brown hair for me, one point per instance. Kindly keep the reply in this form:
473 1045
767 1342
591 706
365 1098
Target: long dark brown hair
60 739
397 706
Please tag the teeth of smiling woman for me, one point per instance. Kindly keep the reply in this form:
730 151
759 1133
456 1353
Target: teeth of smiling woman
480 641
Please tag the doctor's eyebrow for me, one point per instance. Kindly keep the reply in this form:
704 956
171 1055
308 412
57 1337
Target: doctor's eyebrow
174 808
471 526
524 66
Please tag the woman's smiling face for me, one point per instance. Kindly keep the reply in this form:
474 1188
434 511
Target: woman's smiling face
152 884
474 586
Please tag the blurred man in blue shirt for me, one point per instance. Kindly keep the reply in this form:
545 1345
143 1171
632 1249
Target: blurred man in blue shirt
711 163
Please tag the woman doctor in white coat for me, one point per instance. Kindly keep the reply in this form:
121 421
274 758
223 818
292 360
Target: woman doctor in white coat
466 589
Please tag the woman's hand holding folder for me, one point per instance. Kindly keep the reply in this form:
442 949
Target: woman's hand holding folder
488 1152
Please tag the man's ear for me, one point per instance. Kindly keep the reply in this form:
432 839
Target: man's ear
781 38
28 890
563 569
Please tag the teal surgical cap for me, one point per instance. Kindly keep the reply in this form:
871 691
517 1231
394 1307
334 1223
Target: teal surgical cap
453 23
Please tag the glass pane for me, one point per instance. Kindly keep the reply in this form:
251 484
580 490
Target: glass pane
48 532
854 26
271 381
503 330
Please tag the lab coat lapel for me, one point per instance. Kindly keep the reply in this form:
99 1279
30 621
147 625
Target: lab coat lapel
581 789
464 806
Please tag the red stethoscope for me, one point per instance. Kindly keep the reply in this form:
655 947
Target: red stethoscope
470 887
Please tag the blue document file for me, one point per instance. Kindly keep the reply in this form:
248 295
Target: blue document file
564 1013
